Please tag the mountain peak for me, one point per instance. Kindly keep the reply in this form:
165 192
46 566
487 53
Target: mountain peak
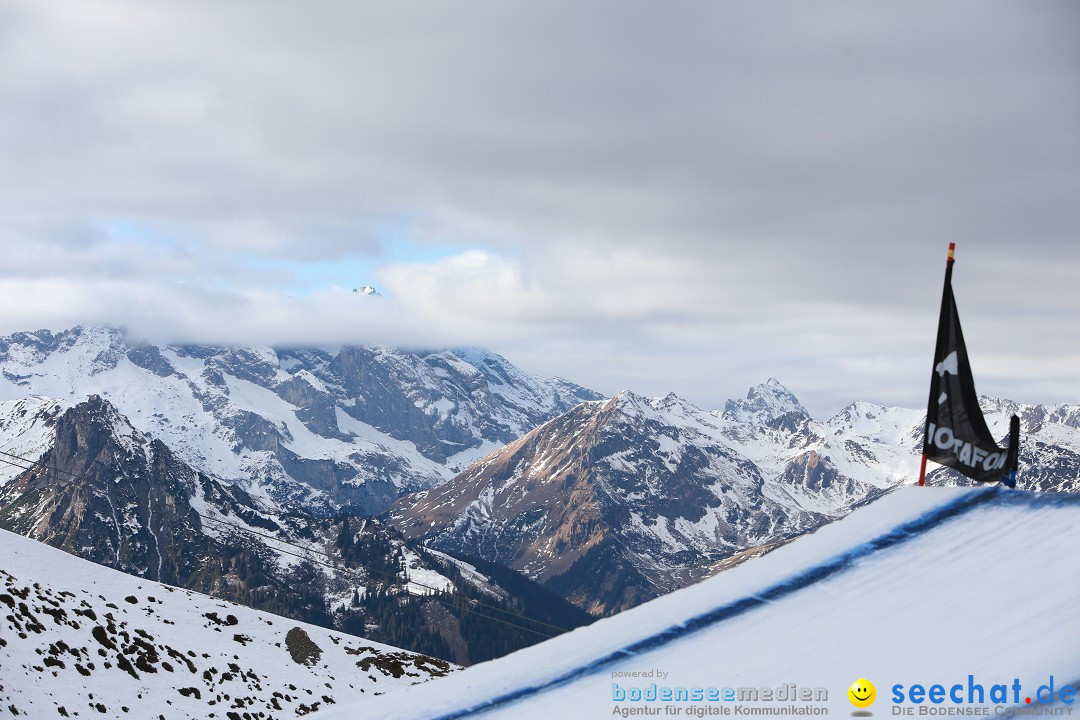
768 402
630 403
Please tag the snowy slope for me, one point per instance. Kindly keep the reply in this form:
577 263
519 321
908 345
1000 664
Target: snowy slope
925 586
80 640
26 430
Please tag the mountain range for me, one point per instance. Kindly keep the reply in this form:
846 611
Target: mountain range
163 496
255 474
623 500
307 427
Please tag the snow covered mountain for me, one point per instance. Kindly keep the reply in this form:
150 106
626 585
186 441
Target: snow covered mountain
768 404
101 489
1049 444
611 504
81 640
826 467
296 426
104 491
927 594
621 501
607 502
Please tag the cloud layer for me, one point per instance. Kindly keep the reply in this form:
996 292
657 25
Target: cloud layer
687 198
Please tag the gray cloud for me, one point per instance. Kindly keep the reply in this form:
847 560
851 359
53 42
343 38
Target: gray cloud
687 197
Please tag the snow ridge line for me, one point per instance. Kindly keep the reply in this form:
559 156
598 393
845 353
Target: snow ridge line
841 563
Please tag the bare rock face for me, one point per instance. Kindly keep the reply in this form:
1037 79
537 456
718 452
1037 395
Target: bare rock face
107 493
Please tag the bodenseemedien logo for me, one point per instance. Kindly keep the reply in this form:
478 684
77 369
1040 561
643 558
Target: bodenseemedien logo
700 701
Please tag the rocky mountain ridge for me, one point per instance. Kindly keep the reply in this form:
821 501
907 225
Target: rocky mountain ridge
619 501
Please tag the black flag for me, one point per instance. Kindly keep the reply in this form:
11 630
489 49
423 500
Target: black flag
956 433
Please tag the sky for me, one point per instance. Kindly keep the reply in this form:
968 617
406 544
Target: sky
688 197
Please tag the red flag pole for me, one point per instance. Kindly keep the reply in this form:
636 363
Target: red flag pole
922 468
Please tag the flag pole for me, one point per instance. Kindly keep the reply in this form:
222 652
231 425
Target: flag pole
1014 451
948 277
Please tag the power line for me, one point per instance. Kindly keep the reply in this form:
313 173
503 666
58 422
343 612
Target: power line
354 571
21 459
373 571
311 551
31 464
37 463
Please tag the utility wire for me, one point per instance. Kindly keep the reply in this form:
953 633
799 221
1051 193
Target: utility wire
37 463
334 566
312 551
355 573
31 464
21 459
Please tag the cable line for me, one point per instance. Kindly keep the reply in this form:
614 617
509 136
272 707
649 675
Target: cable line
436 598
393 577
29 465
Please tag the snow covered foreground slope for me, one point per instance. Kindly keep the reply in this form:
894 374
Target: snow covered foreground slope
81 640
927 586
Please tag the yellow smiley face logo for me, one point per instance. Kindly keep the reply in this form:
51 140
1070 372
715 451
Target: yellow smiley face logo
862 693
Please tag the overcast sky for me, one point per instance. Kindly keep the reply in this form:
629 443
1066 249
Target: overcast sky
688 197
